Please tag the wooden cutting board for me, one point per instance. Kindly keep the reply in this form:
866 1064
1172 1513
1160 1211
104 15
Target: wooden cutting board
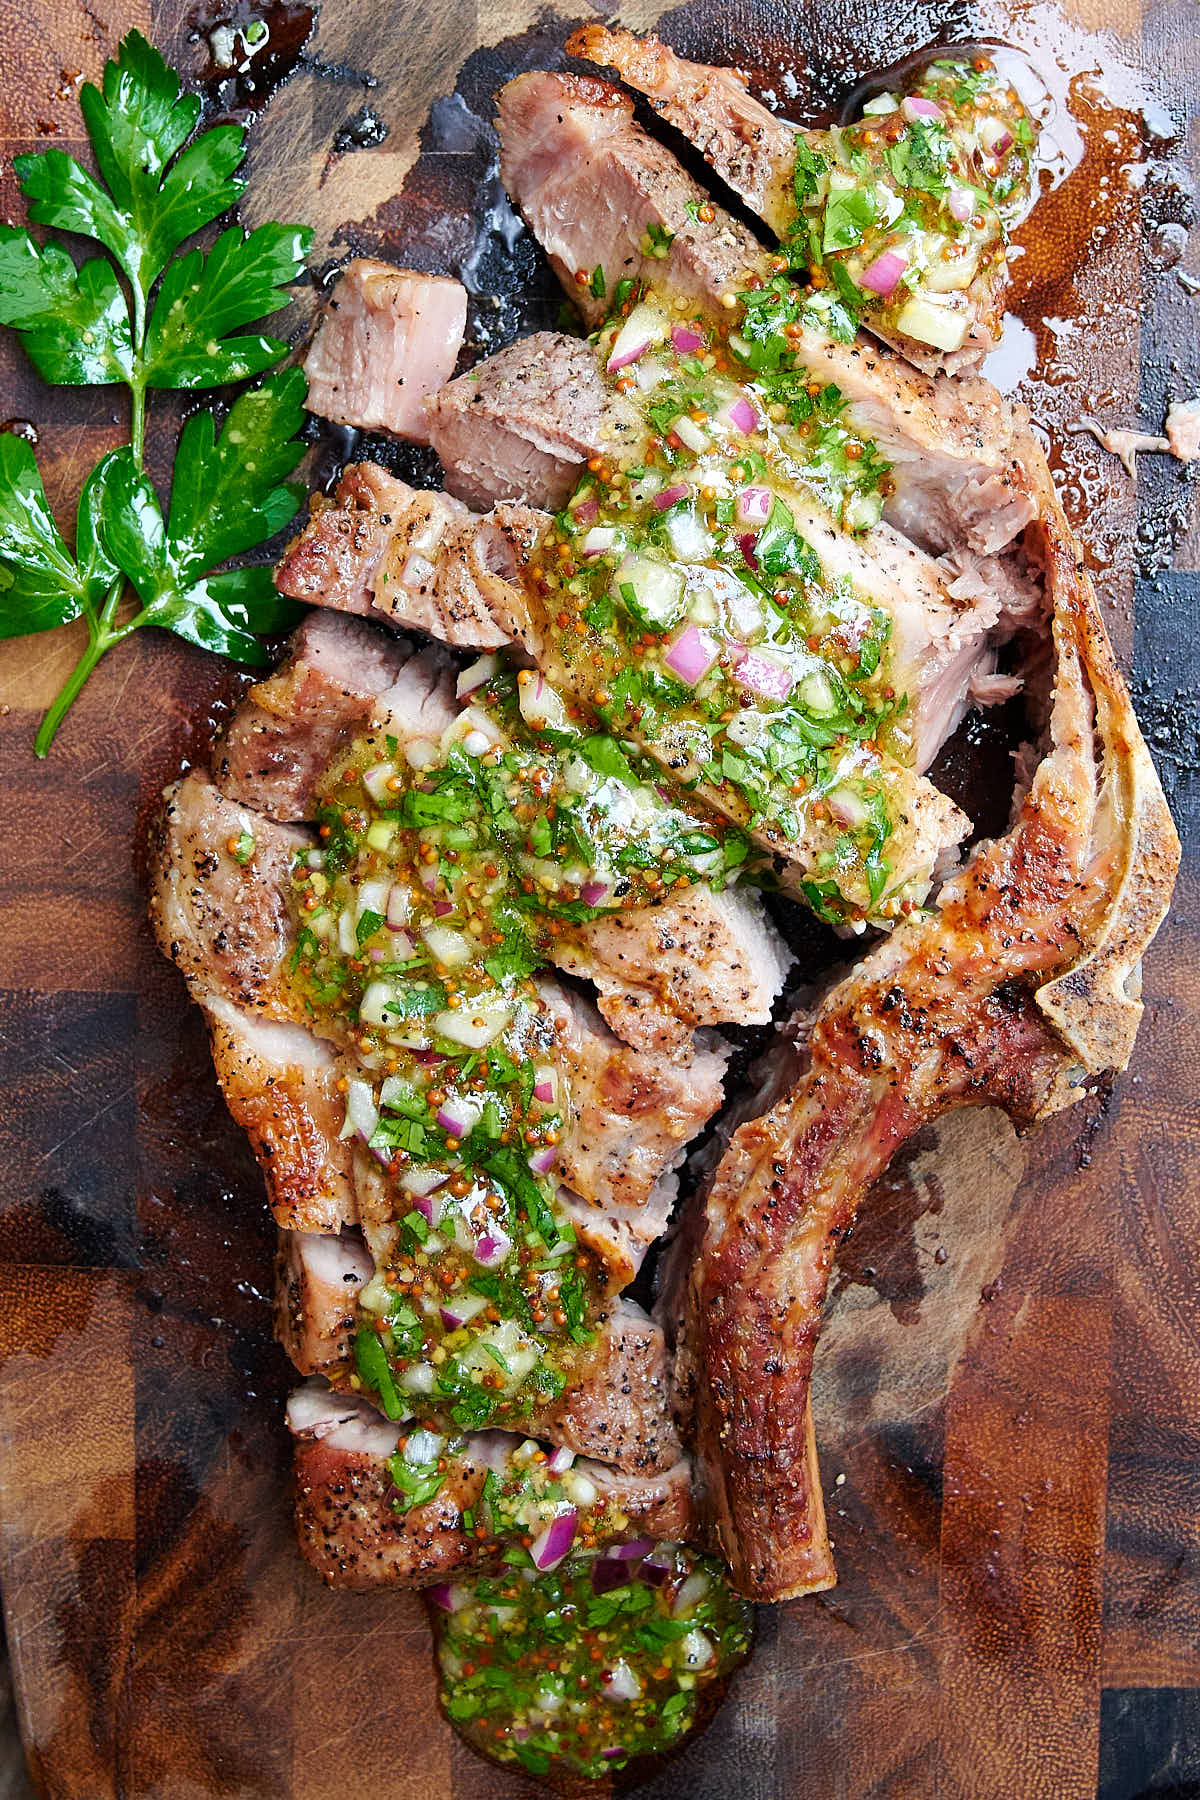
1008 1388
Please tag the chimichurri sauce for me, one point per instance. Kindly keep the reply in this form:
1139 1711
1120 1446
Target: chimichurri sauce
444 871
607 1657
896 216
696 593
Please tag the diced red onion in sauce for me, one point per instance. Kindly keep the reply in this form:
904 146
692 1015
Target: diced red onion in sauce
882 275
760 674
475 675
375 781
608 1572
599 539
543 1086
492 1247
551 1545
643 327
961 203
621 1682
458 1115
753 505
686 339
746 544
560 1460
442 907
689 433
361 1110
742 415
586 511
398 904
995 136
671 496
593 892
634 1550
542 1161
693 1589
914 107
692 655
423 1181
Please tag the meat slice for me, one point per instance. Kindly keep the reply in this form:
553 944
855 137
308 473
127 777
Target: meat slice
387 338
218 899
630 1112
288 728
926 826
1023 980
352 1536
959 480
592 184
229 926
698 958
751 149
318 1278
755 153
617 1402
410 556
519 425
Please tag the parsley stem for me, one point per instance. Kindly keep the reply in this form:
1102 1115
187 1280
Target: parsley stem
137 419
100 639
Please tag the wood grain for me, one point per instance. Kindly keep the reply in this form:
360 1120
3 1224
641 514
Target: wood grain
1007 1395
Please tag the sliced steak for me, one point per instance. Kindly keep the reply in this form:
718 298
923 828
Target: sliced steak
218 899
284 1087
617 1402
698 958
289 727
631 1112
353 1537
958 478
318 1278
387 338
755 154
519 425
411 557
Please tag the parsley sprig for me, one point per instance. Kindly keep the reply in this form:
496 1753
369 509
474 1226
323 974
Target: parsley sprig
150 315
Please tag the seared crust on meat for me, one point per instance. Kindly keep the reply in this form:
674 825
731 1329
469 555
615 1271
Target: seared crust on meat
617 1406
697 958
281 1085
520 425
225 923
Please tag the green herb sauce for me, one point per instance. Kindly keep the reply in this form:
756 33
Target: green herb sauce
561 1668
896 216
685 602
421 924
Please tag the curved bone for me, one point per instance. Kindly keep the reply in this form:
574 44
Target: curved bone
1021 983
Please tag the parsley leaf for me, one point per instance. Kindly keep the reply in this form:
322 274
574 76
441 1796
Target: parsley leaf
158 193
201 300
74 323
41 583
166 324
849 212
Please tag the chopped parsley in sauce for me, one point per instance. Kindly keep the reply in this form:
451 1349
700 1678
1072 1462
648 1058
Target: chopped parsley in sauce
445 870
698 597
897 215
584 1667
